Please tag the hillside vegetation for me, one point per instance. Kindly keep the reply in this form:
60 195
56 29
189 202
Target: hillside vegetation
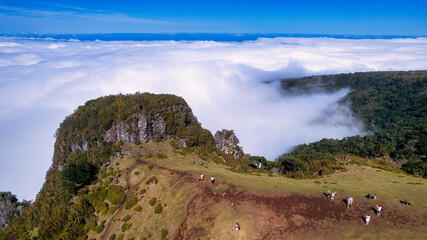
393 106
127 167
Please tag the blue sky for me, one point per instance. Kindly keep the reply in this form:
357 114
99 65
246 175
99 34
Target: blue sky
267 16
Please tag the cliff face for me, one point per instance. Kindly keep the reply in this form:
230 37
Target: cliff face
227 142
10 208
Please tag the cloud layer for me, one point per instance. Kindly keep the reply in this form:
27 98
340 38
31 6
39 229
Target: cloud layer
43 80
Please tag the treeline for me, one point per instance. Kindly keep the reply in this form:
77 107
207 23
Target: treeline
392 104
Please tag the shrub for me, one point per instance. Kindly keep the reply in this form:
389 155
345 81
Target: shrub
138 209
121 237
150 167
149 155
126 226
174 145
152 179
121 143
100 227
152 201
164 233
104 210
127 218
113 209
131 202
158 209
103 173
161 156
91 225
83 237
136 173
77 175
117 163
142 191
112 236
117 148
116 195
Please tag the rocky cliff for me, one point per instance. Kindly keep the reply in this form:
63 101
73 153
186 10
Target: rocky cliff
10 208
227 142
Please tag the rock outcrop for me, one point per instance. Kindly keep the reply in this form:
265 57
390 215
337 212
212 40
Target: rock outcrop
227 142
10 208
139 129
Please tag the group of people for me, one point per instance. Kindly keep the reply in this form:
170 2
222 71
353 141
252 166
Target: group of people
349 202
202 178
377 212
369 196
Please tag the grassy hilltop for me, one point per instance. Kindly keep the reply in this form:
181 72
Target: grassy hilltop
127 167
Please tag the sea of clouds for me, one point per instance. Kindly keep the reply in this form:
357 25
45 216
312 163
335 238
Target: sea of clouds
44 80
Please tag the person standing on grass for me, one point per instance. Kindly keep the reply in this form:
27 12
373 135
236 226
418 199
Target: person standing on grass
350 201
367 219
379 209
213 179
332 196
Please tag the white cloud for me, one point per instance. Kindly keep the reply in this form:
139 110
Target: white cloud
221 81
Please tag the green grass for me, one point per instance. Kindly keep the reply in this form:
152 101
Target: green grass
221 188
356 181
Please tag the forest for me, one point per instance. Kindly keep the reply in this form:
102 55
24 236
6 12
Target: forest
393 106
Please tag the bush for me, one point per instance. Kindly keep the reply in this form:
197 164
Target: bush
158 209
152 179
112 236
77 175
131 202
121 143
136 173
116 195
126 226
138 209
142 191
100 227
164 233
121 237
117 148
149 155
103 173
150 167
104 210
152 201
113 209
161 156
91 225
127 218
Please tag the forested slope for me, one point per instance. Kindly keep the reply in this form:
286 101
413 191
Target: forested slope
393 106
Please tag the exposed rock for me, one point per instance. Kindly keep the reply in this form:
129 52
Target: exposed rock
138 130
76 146
400 162
201 163
192 162
10 208
227 142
